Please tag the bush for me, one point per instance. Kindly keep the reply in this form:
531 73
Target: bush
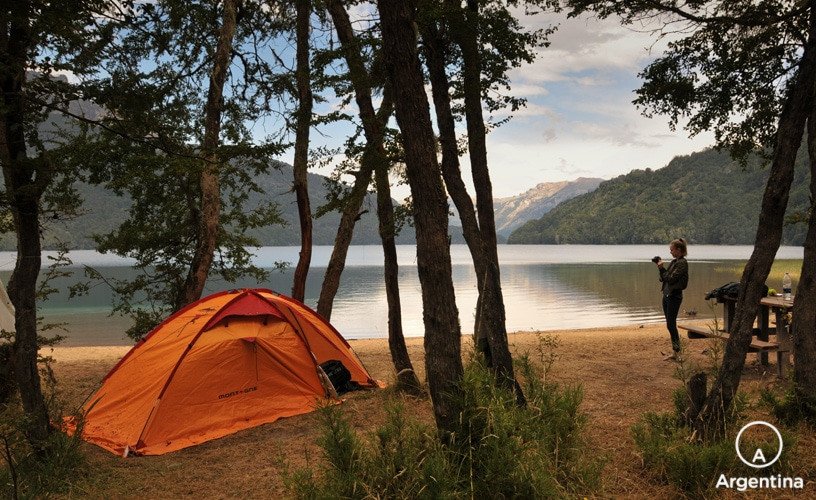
676 455
33 474
792 408
499 449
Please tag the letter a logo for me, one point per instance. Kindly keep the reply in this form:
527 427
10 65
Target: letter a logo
759 461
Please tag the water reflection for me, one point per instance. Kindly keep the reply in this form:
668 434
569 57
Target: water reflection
545 288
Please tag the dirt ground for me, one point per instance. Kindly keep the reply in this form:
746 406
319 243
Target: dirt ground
621 370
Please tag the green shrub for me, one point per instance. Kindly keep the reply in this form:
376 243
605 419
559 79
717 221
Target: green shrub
32 475
791 408
498 450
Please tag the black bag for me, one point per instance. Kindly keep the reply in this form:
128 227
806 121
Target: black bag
728 291
338 374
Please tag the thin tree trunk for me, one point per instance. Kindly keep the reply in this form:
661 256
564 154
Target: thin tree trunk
374 130
490 309
804 308
768 237
304 119
443 360
25 181
373 154
406 376
435 52
209 224
345 232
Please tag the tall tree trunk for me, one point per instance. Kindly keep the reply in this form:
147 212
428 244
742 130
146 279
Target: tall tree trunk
406 376
208 223
435 52
443 360
372 155
768 237
25 180
374 130
304 120
804 309
490 310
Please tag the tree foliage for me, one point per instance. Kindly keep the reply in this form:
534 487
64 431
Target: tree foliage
147 144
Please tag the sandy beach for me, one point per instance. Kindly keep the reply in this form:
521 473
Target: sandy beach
621 370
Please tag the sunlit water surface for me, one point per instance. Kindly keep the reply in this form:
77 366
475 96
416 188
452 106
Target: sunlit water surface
546 287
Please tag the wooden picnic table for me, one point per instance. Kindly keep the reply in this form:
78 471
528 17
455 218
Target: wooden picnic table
761 344
780 307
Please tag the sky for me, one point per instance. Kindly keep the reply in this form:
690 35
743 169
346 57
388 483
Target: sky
579 120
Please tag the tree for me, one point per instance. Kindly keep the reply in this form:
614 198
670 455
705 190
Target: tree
747 71
210 208
374 158
489 330
453 34
184 155
441 318
300 167
47 36
804 308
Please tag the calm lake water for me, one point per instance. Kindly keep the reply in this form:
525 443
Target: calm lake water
546 287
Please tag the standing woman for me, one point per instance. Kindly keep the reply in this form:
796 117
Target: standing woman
675 280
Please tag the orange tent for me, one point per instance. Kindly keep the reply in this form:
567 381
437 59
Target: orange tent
228 362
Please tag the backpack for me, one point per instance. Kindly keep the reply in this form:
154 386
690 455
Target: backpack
729 291
339 375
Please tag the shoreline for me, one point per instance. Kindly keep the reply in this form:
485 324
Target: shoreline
69 353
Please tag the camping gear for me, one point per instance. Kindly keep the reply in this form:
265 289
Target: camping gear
6 310
339 376
228 362
728 291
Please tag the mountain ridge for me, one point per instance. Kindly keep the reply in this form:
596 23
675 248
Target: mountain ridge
705 197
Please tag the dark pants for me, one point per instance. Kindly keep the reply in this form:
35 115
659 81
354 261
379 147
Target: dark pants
671 306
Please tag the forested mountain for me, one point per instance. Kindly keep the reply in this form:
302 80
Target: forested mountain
103 211
704 197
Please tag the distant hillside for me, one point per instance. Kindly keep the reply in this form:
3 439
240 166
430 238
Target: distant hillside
514 211
704 197
104 211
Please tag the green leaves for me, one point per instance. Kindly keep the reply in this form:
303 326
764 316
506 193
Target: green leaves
705 197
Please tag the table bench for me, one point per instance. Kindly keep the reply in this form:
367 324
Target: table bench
702 331
759 342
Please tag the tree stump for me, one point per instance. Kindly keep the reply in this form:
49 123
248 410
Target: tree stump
696 390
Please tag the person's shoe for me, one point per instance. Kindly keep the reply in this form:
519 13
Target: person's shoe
675 356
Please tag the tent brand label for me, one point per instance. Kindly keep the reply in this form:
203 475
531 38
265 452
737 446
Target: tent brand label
235 393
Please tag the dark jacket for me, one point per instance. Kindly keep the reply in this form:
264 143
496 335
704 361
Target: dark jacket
675 277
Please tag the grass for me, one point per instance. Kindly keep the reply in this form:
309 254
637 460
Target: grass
791 407
674 454
27 473
499 449
778 270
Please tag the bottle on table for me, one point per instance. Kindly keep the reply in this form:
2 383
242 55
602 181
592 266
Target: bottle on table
787 286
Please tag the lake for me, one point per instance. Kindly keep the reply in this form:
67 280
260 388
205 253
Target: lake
546 287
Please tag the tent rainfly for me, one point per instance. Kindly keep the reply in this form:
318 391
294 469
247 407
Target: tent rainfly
230 361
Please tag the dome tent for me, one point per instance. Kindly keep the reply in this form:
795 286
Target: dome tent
230 361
